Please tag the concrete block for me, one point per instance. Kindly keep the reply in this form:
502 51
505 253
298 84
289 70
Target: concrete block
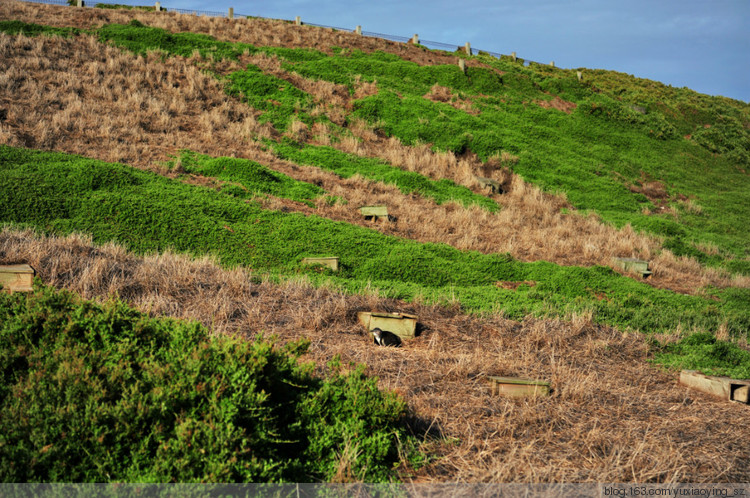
330 262
721 387
17 278
516 387
401 324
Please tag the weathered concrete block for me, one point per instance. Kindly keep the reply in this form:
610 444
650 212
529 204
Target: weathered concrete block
635 265
516 387
330 262
722 387
17 278
401 324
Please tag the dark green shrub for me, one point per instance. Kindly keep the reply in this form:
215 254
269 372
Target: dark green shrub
104 393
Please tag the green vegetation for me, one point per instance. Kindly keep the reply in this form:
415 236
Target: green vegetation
247 178
704 352
622 134
139 39
92 393
718 124
62 193
279 99
347 165
30 29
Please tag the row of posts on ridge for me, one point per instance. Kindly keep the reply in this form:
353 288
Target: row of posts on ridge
358 30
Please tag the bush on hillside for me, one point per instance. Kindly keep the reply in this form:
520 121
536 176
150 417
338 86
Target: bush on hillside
105 393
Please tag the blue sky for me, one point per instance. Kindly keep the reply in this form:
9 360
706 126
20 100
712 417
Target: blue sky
704 45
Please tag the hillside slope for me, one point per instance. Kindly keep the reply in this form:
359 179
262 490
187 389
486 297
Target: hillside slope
252 143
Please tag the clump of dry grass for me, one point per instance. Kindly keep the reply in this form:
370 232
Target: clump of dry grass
364 89
443 94
557 103
611 417
80 96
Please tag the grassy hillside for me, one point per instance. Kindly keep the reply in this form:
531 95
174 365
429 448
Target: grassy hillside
249 148
146 212
692 151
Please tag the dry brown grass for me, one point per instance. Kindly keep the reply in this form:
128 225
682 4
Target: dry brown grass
557 103
82 97
611 418
443 94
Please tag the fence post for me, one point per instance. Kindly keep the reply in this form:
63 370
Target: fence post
358 30
79 3
298 21
462 65
513 56
580 75
415 39
468 48
231 12
157 7
552 64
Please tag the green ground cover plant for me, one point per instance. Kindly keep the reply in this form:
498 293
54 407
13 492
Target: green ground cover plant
704 352
103 393
139 39
30 29
346 165
279 99
246 179
62 193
